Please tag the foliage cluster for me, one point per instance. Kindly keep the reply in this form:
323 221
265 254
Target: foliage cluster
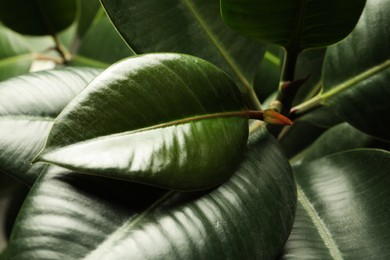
152 129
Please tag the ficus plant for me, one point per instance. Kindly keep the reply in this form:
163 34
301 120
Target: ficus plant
252 129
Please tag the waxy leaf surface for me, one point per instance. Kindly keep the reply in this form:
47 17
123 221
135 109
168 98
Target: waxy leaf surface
161 119
343 207
191 27
247 217
356 76
29 105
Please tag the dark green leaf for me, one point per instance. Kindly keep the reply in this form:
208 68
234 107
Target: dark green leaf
192 27
343 207
146 119
15 54
340 138
295 25
247 217
309 64
101 45
38 17
357 72
29 104
87 14
267 79
298 136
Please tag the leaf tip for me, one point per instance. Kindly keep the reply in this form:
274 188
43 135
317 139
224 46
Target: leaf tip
276 118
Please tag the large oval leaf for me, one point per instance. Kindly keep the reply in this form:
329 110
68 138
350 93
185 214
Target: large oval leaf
343 210
29 105
15 54
38 17
356 86
192 27
295 25
247 217
146 118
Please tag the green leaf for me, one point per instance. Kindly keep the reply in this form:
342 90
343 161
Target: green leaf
15 54
267 78
247 217
86 16
295 25
29 105
38 17
356 86
310 64
101 44
340 138
141 119
191 27
343 207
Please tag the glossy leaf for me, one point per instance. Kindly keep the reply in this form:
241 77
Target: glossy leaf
356 86
247 217
191 27
338 139
29 104
295 25
141 119
343 207
15 54
38 17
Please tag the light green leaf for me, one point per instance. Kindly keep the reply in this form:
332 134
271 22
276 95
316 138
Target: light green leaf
343 207
191 27
146 119
39 17
356 76
295 25
29 104
247 217
15 54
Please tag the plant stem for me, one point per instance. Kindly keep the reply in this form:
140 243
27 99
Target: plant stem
306 107
287 94
61 50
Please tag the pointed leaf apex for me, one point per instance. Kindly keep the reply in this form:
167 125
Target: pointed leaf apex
275 118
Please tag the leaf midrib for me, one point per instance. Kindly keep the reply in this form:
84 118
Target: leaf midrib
319 224
217 43
240 113
356 79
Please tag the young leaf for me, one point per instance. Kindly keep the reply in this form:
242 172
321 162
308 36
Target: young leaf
38 17
343 207
29 105
247 217
295 25
161 119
